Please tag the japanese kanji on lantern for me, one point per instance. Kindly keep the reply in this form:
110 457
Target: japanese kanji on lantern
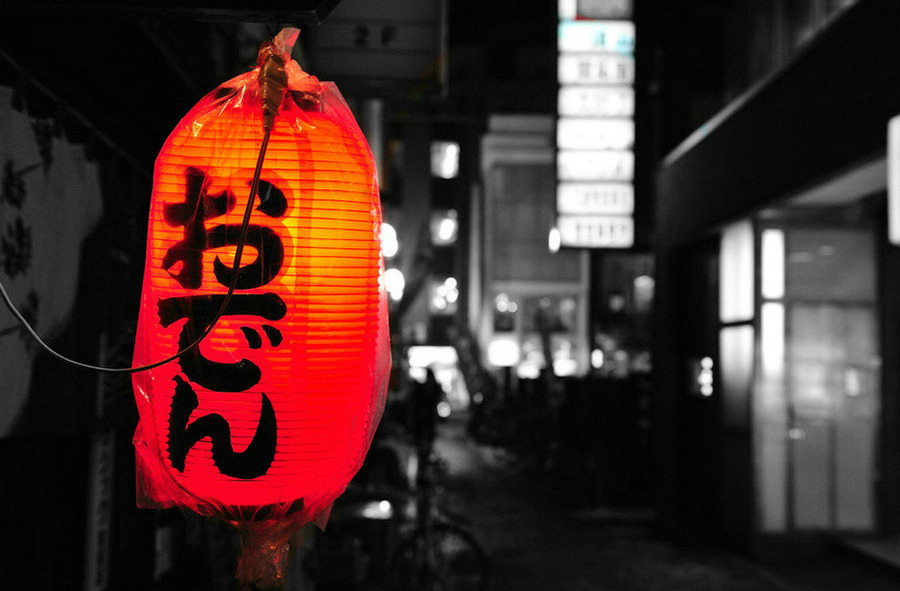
265 422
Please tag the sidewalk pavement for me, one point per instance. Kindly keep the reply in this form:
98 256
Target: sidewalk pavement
536 542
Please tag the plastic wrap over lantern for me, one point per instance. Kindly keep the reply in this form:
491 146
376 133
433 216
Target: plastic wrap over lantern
268 419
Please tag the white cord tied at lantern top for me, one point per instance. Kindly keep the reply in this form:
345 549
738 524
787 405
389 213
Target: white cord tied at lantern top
275 69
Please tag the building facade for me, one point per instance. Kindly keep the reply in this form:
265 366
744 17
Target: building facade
777 330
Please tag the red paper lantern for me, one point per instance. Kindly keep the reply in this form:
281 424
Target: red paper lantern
268 419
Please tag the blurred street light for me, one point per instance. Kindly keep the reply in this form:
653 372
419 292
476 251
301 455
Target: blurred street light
445 159
394 283
444 227
389 243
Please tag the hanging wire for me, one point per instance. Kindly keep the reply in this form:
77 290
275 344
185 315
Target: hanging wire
273 83
239 250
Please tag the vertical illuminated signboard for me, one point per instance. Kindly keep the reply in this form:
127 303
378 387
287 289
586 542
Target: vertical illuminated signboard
595 125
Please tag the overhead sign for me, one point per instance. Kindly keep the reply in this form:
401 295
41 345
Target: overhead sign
595 165
595 130
595 198
602 68
590 35
381 43
597 9
593 231
594 133
596 101
893 180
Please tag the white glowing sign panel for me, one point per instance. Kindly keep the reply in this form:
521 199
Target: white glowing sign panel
594 134
596 101
893 180
602 36
594 231
595 198
573 9
595 68
595 130
595 165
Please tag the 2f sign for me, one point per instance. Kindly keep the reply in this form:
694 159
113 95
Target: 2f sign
893 180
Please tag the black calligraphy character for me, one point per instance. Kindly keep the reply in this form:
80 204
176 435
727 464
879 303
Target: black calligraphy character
272 201
275 336
269 249
197 207
254 340
199 312
16 248
269 258
253 462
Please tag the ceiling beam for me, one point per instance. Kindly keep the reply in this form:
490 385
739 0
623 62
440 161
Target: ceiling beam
286 12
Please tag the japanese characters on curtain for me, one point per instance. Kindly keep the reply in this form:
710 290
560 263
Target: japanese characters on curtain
49 202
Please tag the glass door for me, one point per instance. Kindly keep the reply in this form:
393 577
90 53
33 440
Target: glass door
833 380
818 390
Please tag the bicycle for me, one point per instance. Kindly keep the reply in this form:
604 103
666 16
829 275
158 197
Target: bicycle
438 554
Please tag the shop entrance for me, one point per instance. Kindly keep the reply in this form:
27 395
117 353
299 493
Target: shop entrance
819 317
833 384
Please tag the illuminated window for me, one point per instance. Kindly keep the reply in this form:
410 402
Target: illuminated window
445 159
772 264
444 296
736 270
554 240
394 284
503 352
389 243
444 227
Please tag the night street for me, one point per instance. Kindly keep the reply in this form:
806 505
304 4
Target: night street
537 541
393 295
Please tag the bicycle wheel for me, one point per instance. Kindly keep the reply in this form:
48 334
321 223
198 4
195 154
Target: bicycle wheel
449 560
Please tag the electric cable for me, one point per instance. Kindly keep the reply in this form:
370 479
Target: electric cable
239 249
273 84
